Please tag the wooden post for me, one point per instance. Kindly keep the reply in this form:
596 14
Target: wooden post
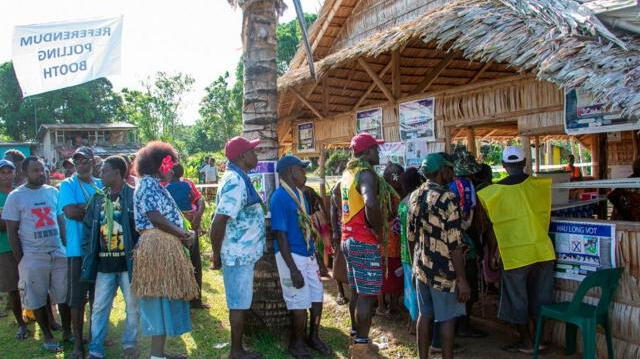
537 145
447 139
603 169
395 74
636 145
471 141
595 157
526 147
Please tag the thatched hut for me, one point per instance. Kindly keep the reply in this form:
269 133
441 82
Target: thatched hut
495 69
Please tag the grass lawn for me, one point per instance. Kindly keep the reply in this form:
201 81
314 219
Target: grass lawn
210 336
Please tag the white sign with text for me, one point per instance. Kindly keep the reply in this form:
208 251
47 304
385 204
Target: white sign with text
56 55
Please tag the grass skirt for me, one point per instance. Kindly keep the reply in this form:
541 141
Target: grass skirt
162 269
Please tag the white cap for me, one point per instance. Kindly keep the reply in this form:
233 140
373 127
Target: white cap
512 154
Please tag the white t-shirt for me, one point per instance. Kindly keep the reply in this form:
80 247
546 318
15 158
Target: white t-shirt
210 173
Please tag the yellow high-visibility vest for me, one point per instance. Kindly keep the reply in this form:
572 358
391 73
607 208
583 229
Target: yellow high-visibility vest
521 214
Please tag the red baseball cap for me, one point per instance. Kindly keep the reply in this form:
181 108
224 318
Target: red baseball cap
239 145
363 141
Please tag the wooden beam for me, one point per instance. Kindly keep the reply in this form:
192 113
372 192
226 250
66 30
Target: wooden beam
479 73
385 90
308 93
503 117
550 130
325 97
433 74
395 74
488 134
371 87
306 103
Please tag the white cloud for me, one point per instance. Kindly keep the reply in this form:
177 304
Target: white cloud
197 37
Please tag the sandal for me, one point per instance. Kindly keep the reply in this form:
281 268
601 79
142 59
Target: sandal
513 347
341 301
52 347
22 333
175 356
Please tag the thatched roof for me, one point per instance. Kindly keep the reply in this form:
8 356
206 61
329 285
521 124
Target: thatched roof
558 41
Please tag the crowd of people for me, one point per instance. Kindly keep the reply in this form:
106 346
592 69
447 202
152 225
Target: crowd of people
421 238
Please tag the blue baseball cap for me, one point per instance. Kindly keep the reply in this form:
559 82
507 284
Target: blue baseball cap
7 163
289 161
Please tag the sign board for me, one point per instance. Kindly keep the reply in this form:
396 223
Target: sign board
370 121
391 152
417 120
583 115
306 137
416 150
52 56
582 247
265 179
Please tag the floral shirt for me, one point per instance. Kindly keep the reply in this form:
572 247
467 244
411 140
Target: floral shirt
244 237
434 221
150 196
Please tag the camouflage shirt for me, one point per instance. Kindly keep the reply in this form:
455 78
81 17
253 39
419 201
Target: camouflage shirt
434 221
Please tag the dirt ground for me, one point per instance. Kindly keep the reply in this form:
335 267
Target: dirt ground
396 342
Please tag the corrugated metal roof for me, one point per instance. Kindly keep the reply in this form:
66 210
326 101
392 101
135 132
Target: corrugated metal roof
88 126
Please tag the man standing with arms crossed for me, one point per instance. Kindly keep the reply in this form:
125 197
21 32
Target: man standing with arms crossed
36 236
75 193
238 235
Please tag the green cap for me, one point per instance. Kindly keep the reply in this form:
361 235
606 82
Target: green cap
434 162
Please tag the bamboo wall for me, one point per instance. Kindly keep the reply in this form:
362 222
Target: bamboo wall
625 311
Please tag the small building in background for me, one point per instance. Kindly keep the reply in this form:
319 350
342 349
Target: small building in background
59 141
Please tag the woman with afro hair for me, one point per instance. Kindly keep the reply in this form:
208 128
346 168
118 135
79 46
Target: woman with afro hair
163 277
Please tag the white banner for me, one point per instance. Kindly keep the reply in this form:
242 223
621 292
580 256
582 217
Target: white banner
51 56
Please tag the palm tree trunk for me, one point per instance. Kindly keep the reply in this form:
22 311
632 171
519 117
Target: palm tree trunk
259 116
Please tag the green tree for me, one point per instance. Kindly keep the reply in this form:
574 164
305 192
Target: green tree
289 35
167 92
139 108
220 115
91 102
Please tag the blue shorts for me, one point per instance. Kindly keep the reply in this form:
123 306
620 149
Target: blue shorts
364 267
441 306
238 285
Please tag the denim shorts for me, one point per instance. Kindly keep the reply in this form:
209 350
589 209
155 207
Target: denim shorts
441 306
238 285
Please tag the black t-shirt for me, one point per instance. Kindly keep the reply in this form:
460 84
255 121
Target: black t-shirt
112 256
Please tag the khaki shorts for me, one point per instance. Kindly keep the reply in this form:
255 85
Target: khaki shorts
42 274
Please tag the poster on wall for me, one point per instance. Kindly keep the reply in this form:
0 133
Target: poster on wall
583 115
391 152
417 120
370 121
417 149
264 179
582 247
306 139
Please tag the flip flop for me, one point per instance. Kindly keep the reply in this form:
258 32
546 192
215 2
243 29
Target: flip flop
513 347
52 347
22 333
175 356
341 301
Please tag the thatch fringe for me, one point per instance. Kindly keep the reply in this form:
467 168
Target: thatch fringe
560 42
161 268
